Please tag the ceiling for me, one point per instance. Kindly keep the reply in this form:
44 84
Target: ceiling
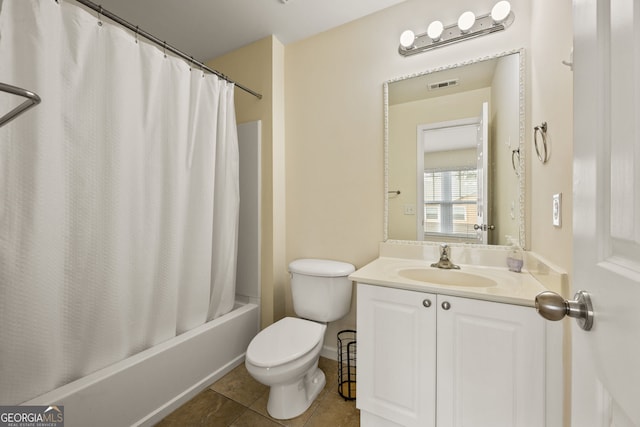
468 77
206 29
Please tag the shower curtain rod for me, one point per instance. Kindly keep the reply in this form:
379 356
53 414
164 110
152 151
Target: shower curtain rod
32 99
163 44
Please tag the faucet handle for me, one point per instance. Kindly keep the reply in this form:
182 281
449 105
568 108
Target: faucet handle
444 249
445 261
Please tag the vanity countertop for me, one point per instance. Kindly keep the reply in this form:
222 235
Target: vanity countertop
511 288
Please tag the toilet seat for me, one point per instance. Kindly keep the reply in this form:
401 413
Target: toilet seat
284 341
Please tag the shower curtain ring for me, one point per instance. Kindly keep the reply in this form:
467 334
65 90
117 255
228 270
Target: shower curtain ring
137 29
202 69
191 65
164 49
100 16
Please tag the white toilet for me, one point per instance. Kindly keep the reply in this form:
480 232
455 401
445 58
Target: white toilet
285 355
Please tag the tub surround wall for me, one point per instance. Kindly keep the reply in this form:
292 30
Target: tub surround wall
248 263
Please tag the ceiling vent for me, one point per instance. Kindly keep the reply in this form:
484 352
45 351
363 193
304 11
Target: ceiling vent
442 85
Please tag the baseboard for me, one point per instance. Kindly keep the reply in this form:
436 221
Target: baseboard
329 352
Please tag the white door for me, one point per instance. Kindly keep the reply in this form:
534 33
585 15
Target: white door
606 360
482 152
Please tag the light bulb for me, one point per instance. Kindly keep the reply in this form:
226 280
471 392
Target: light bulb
466 21
434 31
406 39
500 11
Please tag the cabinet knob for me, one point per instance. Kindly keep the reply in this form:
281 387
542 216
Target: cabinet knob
426 303
446 305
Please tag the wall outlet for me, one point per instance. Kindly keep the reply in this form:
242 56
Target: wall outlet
409 209
557 210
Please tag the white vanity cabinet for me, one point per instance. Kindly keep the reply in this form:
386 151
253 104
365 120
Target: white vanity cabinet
396 358
435 360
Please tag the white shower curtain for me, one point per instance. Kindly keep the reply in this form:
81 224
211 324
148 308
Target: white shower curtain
111 238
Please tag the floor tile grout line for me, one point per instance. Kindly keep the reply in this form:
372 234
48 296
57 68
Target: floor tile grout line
238 417
314 415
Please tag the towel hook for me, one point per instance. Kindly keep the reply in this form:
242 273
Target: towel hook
569 63
543 155
515 154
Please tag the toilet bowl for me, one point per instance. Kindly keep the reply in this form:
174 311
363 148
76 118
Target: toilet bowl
284 356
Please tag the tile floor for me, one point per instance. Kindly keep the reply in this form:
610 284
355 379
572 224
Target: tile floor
237 400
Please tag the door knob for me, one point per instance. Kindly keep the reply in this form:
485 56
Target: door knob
552 306
484 227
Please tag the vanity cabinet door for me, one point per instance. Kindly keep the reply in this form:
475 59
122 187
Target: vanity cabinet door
490 364
396 357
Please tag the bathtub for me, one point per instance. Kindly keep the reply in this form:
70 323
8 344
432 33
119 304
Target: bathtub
146 387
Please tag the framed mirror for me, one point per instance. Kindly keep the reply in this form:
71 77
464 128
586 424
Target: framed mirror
454 153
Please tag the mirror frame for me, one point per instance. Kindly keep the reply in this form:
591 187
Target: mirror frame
521 143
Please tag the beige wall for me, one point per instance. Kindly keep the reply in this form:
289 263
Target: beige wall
323 190
260 67
334 123
551 83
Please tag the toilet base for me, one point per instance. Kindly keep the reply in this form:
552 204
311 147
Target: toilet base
287 401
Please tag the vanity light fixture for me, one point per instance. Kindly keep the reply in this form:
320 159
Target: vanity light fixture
468 26
434 31
500 12
406 39
466 21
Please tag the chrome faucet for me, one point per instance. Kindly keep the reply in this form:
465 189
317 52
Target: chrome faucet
444 261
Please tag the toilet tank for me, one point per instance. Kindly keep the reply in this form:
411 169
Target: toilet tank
320 288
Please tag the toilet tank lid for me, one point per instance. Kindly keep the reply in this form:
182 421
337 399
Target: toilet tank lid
321 267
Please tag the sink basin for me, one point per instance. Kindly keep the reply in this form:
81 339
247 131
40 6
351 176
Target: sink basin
447 277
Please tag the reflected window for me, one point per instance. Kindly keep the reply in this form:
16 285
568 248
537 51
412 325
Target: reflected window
450 202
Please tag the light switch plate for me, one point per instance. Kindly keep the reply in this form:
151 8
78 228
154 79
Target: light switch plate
557 210
409 209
